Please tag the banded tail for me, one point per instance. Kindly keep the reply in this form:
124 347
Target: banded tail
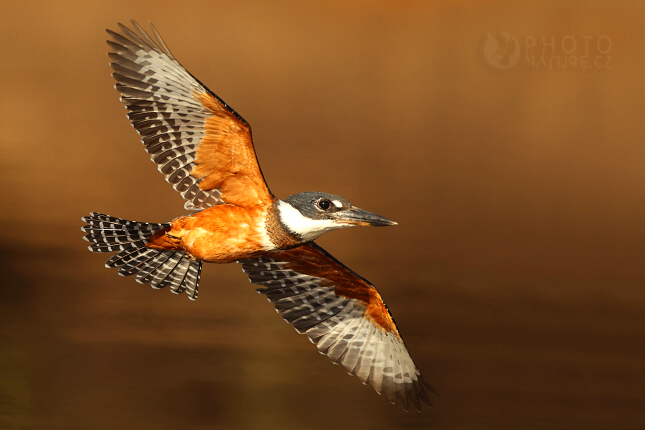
157 267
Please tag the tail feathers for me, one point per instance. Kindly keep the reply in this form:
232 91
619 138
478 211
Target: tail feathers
108 234
158 267
168 269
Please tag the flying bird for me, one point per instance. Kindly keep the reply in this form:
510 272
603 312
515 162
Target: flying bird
205 150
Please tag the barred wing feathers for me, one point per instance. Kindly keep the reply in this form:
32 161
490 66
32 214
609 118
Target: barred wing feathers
344 315
202 146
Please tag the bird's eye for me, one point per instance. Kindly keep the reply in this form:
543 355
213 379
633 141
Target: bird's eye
324 204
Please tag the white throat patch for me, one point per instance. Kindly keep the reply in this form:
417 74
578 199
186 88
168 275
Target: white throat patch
307 228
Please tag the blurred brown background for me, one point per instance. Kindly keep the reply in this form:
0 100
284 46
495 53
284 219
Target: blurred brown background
516 274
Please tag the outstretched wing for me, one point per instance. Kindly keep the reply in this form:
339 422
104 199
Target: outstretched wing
344 315
202 146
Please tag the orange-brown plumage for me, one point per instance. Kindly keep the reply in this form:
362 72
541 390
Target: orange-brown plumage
226 158
312 261
220 234
205 150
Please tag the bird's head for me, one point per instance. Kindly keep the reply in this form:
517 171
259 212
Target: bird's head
309 215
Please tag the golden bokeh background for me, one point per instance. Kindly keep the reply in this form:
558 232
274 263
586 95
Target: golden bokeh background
517 271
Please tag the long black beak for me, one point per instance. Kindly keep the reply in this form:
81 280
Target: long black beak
356 216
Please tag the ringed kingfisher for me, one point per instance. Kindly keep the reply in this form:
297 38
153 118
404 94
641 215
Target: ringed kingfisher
205 150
